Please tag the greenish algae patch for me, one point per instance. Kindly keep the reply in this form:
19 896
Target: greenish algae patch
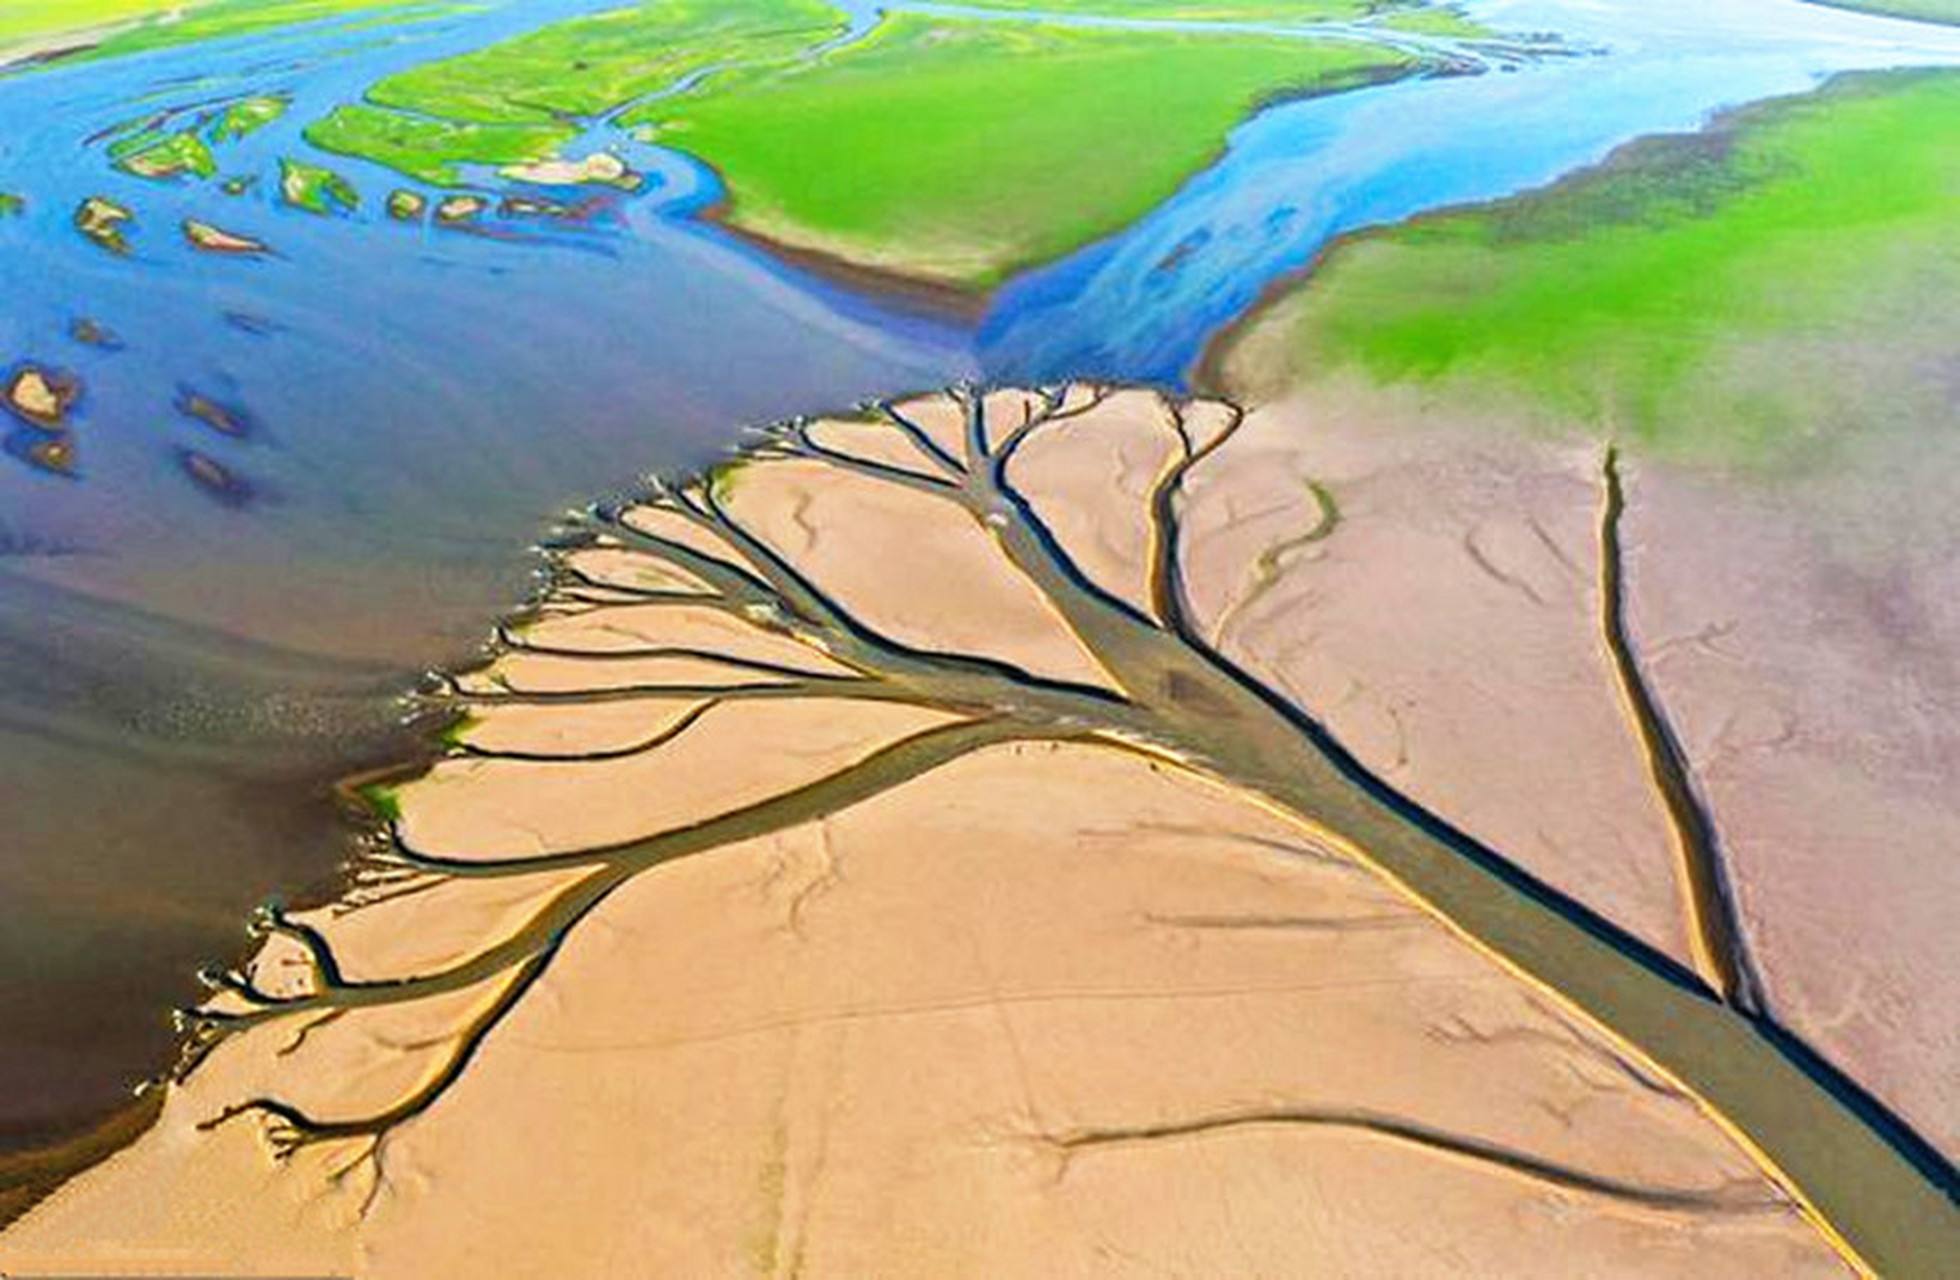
11 205
315 189
242 119
1749 293
962 151
457 731
20 19
382 800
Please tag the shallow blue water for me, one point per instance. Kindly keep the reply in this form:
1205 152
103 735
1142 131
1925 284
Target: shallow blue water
1143 304
413 384
422 400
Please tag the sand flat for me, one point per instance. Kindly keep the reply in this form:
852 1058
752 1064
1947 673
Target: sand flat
866 1047
844 981
1807 637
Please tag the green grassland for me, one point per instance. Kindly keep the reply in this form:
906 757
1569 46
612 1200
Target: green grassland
429 150
155 24
1202 10
1924 10
244 118
1436 21
24 19
961 151
585 66
150 155
1417 17
511 102
1740 294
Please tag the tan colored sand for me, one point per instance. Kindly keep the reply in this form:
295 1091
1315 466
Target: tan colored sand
215 239
490 808
875 440
941 419
912 566
1806 635
1055 1009
613 565
853 1050
1090 477
35 397
600 166
630 629
1799 626
575 730
1447 632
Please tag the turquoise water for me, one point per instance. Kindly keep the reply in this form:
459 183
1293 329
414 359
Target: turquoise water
186 670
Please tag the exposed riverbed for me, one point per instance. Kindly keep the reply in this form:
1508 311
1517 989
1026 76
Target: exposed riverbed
187 675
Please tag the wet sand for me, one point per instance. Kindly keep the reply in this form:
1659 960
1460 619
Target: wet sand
162 779
1796 625
804 951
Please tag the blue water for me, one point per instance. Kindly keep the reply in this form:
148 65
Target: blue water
1143 304
422 400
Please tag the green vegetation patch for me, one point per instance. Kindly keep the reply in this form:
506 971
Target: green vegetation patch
512 103
24 19
1776 279
241 119
587 66
11 205
158 24
1202 10
1947 11
1400 15
429 150
1432 20
170 155
383 801
961 151
457 731
316 189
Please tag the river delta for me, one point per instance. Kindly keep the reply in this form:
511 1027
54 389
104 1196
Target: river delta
300 340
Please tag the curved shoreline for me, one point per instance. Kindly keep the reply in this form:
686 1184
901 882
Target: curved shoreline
1716 135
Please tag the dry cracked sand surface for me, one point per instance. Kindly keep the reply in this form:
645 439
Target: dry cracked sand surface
878 859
